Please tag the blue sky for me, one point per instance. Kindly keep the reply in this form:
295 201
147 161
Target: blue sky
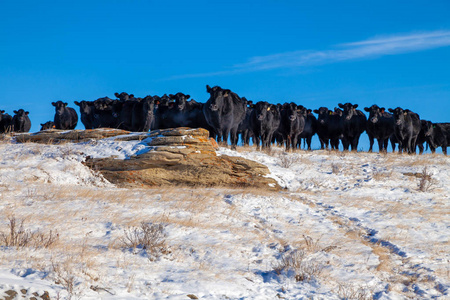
315 53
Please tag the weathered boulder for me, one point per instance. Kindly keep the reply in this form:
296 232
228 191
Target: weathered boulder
55 136
183 156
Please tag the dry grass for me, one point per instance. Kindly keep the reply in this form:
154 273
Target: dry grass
20 237
305 268
426 181
149 238
287 160
347 291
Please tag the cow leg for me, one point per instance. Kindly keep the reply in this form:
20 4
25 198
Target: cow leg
354 143
233 138
257 141
308 141
345 143
420 146
380 145
371 141
322 143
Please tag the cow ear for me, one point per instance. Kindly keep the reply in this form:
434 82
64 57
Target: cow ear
309 111
188 96
53 103
2 111
171 96
16 112
382 109
226 92
391 110
26 113
208 89
316 111
65 103
330 112
341 105
42 124
355 106
77 103
366 109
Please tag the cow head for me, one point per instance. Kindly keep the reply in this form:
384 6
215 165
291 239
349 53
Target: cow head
48 125
375 113
349 110
262 108
338 112
290 111
301 110
217 97
428 128
323 114
20 115
399 115
180 100
85 106
59 106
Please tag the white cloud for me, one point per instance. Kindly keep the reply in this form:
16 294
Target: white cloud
367 49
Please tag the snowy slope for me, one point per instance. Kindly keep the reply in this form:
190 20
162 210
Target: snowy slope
349 225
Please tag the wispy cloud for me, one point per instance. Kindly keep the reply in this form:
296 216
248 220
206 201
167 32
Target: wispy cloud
367 49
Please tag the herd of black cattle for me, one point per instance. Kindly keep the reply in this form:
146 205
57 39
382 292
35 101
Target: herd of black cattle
226 115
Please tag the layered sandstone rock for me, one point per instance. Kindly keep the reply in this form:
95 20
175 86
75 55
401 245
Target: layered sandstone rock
179 156
183 156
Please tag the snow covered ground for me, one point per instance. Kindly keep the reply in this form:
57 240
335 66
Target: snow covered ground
346 225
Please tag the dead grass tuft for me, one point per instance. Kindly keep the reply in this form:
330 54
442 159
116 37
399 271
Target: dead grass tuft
426 181
287 160
348 291
305 268
20 237
150 238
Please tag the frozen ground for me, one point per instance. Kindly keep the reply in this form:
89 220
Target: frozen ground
347 225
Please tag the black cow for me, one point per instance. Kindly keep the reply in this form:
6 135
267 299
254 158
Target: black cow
21 121
143 115
186 113
106 113
353 125
245 129
124 96
86 113
264 121
406 129
380 126
438 135
164 105
6 122
292 123
135 114
224 111
47 125
65 117
421 138
329 127
310 129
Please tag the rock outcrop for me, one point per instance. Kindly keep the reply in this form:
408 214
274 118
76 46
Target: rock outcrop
55 136
183 156
179 156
